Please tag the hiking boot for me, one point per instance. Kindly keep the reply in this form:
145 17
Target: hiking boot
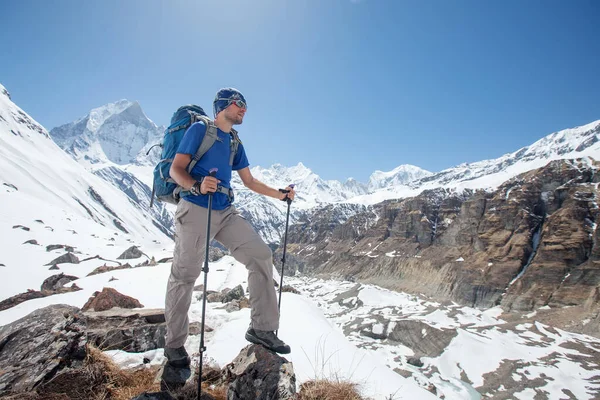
177 357
267 339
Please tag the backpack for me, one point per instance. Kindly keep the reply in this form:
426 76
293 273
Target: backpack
164 188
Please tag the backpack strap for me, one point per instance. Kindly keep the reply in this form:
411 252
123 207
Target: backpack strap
235 143
208 140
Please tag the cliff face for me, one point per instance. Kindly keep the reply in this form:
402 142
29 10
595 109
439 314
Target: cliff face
530 243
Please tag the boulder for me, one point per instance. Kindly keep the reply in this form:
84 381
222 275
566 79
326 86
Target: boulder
214 297
51 247
234 294
68 258
421 338
55 282
129 330
35 348
109 298
130 253
257 373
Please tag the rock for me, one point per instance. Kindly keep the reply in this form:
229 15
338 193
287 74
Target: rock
54 267
232 306
165 260
215 254
257 373
244 303
55 282
195 328
112 278
130 253
128 330
32 241
109 298
39 221
422 338
416 361
106 268
174 379
234 294
68 258
51 247
214 297
148 263
34 294
289 289
21 227
35 348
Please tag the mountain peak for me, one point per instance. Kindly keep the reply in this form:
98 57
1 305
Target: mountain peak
400 175
4 92
118 132
98 115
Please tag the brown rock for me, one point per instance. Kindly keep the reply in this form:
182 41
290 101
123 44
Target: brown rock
109 298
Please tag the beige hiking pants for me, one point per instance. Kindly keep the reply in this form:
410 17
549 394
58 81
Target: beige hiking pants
246 246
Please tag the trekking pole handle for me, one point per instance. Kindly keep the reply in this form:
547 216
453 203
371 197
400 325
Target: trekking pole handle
212 172
289 201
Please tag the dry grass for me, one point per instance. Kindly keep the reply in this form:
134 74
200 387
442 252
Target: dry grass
324 389
122 384
99 379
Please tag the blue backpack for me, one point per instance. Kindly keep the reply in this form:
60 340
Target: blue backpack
164 188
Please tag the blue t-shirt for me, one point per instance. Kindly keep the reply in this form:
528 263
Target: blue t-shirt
216 157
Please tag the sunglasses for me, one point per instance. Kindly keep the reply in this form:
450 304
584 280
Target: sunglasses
239 103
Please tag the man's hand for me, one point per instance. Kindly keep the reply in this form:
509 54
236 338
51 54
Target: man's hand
287 193
209 185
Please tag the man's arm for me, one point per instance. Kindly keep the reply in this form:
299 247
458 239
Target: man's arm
257 186
179 173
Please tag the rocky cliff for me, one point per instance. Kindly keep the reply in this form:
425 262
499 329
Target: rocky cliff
530 243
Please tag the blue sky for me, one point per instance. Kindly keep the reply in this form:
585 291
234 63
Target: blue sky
344 86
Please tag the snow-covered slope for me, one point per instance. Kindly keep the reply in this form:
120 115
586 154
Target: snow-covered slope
112 142
40 182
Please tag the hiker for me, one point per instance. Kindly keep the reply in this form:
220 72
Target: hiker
227 227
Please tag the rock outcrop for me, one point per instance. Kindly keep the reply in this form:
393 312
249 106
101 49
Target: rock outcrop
34 348
530 243
134 331
35 294
56 282
257 373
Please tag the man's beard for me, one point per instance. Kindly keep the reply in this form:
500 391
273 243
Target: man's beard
235 119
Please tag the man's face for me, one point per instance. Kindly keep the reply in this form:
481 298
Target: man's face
235 114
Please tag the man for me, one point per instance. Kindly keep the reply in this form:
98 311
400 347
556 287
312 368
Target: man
227 226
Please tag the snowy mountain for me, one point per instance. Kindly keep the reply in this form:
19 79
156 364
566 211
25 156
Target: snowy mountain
110 142
44 189
401 175
118 132
583 141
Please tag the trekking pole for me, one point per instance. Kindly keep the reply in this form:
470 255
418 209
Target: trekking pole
212 173
287 221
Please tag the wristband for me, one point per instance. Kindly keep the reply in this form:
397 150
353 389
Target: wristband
195 189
